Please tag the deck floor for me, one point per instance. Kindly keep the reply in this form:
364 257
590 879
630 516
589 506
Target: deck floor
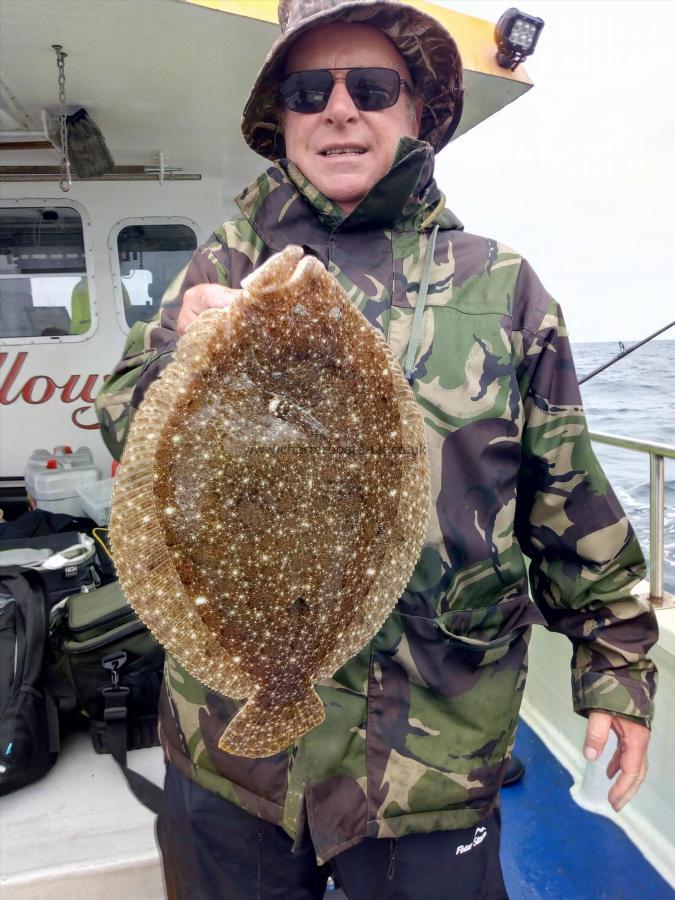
98 841
553 848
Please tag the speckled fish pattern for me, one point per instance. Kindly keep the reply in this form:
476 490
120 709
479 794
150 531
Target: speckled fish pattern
273 497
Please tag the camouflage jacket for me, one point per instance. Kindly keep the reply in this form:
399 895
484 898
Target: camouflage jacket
419 724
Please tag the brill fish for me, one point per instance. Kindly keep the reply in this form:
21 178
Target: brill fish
273 497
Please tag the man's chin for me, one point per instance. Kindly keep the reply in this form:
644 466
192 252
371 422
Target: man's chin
345 191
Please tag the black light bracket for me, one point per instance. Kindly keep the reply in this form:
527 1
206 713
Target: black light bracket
516 36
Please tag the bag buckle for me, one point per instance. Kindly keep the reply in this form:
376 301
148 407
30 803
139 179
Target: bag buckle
115 703
114 662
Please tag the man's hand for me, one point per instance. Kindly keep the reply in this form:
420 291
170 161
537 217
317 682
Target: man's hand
202 297
630 757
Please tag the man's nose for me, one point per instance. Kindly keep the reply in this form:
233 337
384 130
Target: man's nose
340 109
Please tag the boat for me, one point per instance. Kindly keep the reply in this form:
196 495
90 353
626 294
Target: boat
145 74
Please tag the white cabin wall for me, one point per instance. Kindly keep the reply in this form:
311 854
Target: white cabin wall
24 426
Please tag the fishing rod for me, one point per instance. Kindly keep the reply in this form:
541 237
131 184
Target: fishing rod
624 353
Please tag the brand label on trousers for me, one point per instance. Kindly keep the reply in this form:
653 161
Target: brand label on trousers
478 838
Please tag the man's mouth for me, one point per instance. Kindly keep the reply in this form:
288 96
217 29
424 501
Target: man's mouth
335 151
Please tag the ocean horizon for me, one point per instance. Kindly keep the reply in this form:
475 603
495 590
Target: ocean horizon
635 398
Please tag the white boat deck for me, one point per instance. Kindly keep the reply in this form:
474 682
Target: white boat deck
80 831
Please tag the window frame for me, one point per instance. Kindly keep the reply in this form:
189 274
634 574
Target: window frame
118 299
88 239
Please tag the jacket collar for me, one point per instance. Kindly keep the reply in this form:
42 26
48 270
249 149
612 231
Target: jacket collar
283 207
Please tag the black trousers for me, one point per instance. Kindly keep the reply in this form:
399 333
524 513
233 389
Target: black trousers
212 850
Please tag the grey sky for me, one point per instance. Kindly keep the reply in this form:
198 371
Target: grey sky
579 174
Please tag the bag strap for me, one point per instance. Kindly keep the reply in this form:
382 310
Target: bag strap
30 601
61 691
115 713
29 595
52 723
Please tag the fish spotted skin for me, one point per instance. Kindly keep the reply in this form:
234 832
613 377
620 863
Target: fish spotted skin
275 535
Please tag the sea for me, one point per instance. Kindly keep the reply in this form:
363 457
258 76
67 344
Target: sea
635 398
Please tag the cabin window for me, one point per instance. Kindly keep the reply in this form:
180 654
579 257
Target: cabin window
44 290
150 256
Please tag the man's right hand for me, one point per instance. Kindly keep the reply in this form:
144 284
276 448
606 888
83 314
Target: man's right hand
201 297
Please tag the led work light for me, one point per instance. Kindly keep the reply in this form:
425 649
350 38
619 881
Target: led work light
516 35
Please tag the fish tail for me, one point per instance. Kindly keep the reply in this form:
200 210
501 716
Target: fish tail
261 730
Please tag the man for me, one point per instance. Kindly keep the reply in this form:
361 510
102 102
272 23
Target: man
403 775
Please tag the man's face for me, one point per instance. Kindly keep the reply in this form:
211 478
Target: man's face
371 136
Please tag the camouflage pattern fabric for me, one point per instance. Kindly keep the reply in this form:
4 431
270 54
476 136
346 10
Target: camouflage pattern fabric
427 47
420 723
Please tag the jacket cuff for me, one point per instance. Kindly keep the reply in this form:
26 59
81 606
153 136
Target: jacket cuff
624 696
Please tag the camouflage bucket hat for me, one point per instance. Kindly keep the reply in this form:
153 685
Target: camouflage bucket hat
428 49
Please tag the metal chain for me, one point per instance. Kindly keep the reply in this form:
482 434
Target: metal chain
140 259
66 181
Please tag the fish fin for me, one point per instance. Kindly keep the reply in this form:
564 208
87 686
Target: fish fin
259 730
275 272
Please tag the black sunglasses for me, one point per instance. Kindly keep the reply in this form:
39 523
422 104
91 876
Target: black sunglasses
370 88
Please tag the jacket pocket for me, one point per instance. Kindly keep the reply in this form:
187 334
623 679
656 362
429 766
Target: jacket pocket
484 636
444 696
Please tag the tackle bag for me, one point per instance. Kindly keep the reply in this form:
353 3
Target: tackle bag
63 563
114 665
37 522
30 691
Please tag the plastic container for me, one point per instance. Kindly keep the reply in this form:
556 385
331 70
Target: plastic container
52 485
70 458
80 457
36 461
95 499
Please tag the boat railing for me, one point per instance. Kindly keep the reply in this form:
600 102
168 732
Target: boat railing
658 453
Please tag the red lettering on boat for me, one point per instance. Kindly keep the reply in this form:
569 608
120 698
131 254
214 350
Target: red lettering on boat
40 389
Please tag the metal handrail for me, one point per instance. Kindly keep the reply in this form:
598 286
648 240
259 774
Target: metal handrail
657 453
628 443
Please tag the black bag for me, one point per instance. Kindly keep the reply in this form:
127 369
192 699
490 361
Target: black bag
38 523
114 665
30 691
63 562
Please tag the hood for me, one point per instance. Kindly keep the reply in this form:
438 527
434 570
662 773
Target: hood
406 198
